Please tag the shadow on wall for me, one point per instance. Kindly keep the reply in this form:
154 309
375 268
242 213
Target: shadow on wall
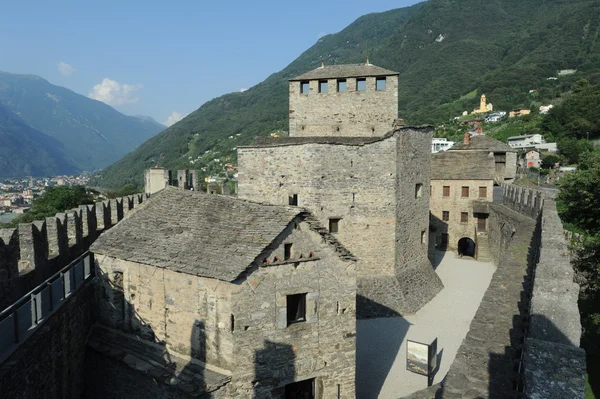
125 352
274 363
505 370
438 240
377 344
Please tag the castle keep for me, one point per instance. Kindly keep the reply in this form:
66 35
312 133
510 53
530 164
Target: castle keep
358 100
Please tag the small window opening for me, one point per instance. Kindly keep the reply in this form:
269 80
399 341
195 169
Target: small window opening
304 87
287 251
464 217
361 84
322 86
418 190
482 192
301 389
465 192
445 216
232 323
334 225
293 199
446 192
380 84
341 85
296 308
423 236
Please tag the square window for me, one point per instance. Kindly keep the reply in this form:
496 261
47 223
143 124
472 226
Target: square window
334 225
296 308
445 216
287 251
341 85
293 199
361 84
446 191
464 217
380 84
465 192
322 86
418 190
304 87
482 192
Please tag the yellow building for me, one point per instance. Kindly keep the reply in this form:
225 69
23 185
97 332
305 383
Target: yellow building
483 106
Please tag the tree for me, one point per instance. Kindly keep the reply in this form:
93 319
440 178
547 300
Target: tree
572 149
550 160
579 194
55 200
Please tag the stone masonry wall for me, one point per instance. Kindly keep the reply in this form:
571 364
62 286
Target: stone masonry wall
50 363
269 352
35 251
418 281
357 184
350 113
455 204
191 314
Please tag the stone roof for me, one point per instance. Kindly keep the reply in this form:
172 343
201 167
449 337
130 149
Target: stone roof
344 71
462 165
212 236
482 143
267 141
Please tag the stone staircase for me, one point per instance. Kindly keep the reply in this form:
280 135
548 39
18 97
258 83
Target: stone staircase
483 248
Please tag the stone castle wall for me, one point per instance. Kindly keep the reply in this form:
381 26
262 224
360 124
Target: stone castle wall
370 191
32 252
50 363
351 113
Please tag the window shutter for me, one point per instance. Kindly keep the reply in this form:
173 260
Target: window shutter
312 313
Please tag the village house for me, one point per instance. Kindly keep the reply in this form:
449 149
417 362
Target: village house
260 300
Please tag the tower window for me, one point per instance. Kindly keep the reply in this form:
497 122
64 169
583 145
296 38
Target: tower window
334 225
445 216
465 192
293 199
341 85
361 84
322 86
380 84
482 192
446 191
296 308
304 87
464 217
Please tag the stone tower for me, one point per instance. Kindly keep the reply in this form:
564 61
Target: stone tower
343 100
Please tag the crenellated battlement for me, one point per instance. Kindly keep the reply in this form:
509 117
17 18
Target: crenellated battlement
526 201
34 251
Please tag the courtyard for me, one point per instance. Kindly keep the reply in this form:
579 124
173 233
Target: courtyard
381 343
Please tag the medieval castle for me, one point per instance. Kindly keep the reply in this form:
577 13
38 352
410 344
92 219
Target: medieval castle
181 294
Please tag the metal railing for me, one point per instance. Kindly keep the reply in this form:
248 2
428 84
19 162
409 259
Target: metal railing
20 320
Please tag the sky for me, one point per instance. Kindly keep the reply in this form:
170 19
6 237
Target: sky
165 59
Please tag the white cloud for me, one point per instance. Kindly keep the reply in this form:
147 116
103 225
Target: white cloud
174 118
65 69
114 93
243 89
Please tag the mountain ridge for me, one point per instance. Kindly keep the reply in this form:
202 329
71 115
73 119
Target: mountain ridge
443 49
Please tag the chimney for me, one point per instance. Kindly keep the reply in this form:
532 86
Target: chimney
367 60
322 63
467 138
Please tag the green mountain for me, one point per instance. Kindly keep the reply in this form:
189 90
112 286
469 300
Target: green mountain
446 51
25 151
92 133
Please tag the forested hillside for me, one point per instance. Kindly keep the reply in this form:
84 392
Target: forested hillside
443 50
25 151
